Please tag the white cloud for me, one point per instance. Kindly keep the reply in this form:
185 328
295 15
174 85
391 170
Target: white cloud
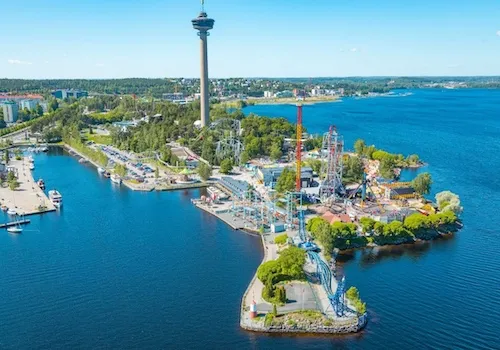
341 50
18 62
498 33
354 49
99 64
455 65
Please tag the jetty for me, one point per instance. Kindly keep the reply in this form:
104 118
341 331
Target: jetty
15 223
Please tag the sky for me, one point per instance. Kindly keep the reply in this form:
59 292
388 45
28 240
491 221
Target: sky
251 38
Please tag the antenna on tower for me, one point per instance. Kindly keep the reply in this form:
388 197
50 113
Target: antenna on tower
202 5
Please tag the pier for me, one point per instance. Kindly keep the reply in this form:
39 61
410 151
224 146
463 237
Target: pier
28 198
15 223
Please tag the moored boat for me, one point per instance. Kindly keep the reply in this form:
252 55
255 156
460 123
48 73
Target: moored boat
116 179
32 166
107 174
14 229
56 198
100 170
41 184
11 211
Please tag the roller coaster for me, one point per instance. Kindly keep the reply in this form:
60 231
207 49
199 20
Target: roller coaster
337 298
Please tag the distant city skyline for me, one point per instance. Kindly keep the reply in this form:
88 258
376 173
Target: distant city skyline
154 38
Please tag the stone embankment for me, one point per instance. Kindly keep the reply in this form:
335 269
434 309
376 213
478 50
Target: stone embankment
350 325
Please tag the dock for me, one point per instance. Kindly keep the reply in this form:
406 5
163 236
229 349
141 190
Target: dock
28 199
15 223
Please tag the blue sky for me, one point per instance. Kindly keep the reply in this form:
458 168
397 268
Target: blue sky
272 38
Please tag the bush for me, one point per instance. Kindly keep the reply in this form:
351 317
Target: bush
281 239
352 295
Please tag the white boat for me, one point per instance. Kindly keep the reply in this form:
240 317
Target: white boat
32 166
100 170
15 229
56 198
116 179
11 212
30 159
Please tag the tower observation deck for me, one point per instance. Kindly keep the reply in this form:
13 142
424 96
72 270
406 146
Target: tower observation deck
203 24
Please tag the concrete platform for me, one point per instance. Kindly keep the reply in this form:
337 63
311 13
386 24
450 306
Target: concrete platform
28 199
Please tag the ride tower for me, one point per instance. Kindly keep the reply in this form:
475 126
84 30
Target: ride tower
331 187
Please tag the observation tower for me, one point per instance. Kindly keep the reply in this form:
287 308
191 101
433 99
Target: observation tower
203 24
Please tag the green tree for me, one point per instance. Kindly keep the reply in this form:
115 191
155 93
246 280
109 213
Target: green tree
53 105
226 166
244 158
413 159
120 170
6 156
359 146
422 183
353 169
386 167
11 176
315 165
368 151
281 239
157 173
39 110
286 181
368 224
275 310
276 152
13 184
449 201
204 171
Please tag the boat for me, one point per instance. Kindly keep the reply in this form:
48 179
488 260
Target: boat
116 179
82 160
30 159
41 184
15 229
44 149
100 170
107 174
32 166
5 208
11 212
56 198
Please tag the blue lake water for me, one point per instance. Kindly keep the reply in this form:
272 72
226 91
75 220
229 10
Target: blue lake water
120 269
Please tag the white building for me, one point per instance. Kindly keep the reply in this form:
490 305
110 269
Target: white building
10 111
268 94
28 104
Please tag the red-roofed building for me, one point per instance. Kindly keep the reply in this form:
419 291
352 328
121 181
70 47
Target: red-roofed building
331 217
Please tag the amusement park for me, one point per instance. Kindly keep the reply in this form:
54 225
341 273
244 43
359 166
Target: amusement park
276 199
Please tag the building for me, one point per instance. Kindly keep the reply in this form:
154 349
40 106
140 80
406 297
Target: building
284 94
299 93
399 190
173 96
237 188
268 94
332 218
10 111
65 93
28 104
19 98
203 24
269 176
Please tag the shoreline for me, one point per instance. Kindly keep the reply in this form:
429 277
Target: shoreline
253 292
137 187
